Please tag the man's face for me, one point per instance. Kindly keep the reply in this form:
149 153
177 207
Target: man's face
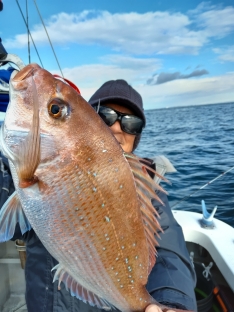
125 140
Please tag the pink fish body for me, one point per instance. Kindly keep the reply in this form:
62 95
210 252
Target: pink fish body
87 202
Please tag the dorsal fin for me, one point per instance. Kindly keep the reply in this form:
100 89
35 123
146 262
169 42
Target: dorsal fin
146 164
145 187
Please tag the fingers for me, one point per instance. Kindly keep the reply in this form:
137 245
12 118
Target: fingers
154 308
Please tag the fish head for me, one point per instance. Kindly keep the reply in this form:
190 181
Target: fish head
46 118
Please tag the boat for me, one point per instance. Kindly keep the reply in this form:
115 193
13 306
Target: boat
210 243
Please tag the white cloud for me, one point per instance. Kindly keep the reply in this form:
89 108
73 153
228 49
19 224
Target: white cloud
158 32
225 55
210 90
177 92
147 33
89 77
202 7
132 62
217 22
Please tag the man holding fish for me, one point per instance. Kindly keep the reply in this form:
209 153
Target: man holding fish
82 201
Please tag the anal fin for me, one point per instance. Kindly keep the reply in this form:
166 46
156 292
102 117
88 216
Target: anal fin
11 214
78 291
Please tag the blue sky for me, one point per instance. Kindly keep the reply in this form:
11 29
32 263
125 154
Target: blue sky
173 52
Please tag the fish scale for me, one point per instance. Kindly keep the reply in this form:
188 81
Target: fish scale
102 230
81 212
98 216
83 200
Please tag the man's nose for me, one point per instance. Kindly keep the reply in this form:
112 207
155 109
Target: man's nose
116 127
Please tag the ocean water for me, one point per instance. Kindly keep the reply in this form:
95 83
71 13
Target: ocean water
199 142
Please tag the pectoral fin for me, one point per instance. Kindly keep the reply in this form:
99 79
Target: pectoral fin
11 214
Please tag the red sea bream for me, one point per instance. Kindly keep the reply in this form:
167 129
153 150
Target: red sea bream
88 202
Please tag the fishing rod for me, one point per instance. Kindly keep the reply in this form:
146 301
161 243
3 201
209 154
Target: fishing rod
29 56
202 187
29 33
48 37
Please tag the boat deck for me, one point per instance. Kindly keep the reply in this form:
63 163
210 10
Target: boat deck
12 292
15 304
219 241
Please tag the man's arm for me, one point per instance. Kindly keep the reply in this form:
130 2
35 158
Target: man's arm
172 279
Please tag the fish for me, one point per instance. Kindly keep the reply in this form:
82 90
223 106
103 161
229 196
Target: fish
88 201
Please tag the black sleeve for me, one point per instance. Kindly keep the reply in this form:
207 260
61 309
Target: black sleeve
172 238
7 188
6 182
172 279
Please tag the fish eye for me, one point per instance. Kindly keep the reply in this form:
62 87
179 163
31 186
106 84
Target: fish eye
57 109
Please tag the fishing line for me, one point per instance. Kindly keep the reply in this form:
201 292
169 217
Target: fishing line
29 33
48 37
29 56
98 106
202 187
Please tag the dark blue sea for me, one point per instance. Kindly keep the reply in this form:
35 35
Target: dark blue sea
199 142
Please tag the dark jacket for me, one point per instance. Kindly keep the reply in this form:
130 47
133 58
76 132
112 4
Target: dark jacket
171 281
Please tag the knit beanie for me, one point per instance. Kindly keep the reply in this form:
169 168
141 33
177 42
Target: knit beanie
120 92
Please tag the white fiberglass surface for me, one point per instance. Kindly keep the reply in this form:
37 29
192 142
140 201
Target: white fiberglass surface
219 241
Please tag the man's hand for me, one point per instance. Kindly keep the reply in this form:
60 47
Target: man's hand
154 308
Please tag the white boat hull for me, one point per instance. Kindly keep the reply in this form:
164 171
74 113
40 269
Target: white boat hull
219 241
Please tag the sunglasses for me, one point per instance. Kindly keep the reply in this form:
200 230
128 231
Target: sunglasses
129 123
